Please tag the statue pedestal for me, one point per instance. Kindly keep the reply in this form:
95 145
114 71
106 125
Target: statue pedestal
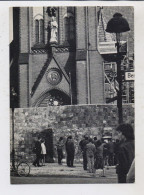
53 47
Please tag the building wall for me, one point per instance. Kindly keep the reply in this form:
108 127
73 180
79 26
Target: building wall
64 121
24 30
88 67
128 13
36 62
23 86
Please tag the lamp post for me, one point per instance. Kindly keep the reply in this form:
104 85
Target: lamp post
118 25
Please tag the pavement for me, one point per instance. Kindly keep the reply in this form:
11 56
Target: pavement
53 169
61 174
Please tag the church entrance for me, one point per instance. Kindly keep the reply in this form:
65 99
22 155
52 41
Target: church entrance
54 98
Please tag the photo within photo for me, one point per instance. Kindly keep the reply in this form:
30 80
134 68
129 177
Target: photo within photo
72 95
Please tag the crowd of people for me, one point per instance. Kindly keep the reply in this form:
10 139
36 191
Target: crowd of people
97 153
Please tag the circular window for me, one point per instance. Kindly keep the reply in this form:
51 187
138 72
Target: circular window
54 76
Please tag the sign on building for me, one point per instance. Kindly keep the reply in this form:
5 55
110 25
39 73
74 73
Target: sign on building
129 76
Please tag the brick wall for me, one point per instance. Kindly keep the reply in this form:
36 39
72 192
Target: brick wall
24 33
65 121
92 27
80 28
81 82
96 77
23 85
36 62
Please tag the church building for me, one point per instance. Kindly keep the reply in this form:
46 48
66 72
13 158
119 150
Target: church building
64 56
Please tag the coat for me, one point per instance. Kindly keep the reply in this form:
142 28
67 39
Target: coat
125 157
90 150
37 147
70 146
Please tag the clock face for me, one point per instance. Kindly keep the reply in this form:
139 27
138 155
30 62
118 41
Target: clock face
54 76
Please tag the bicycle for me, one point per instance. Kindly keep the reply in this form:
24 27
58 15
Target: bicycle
20 167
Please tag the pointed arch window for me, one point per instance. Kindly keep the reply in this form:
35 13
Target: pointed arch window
39 31
66 21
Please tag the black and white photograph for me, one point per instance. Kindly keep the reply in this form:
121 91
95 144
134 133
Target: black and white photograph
72 95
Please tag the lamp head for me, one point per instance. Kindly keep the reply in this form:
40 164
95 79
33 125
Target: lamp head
117 24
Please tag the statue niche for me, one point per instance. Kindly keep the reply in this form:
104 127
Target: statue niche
53 26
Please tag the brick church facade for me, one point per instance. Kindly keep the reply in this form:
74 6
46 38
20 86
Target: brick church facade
71 68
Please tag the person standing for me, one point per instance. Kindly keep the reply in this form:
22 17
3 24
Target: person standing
38 152
82 145
90 153
70 150
125 152
95 141
43 151
99 155
60 145
110 153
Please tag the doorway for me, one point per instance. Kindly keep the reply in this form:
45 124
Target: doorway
47 135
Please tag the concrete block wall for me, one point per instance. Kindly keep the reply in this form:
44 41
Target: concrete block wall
64 121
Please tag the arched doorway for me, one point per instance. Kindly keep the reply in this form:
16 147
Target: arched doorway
53 97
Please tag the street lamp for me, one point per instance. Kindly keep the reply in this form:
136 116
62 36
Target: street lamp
118 25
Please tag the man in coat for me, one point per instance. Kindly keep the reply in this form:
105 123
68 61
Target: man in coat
82 145
125 152
90 153
70 149
38 152
60 145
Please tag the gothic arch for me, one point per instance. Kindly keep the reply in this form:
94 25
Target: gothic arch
53 97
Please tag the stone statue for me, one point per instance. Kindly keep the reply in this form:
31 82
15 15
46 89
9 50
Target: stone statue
54 30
